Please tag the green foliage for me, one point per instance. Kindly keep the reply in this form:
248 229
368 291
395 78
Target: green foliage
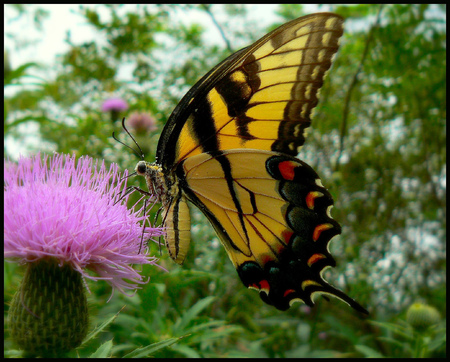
378 141
401 339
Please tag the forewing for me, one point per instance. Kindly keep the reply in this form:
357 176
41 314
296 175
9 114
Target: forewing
259 98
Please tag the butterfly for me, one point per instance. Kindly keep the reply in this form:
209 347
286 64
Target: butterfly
230 148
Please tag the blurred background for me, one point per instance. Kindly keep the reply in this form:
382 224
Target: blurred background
378 141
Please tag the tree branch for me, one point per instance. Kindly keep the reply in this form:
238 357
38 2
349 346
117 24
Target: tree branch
352 85
207 8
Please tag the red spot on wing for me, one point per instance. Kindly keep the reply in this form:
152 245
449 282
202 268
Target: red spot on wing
263 285
265 259
288 291
287 169
286 235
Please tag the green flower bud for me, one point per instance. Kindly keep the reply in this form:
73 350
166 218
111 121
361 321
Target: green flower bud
422 316
49 314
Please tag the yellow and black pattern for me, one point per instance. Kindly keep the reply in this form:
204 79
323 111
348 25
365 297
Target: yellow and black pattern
272 214
260 97
229 148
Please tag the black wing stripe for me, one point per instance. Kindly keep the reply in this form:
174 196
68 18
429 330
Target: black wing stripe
226 167
176 221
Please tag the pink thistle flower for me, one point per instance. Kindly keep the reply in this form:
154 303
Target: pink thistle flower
114 104
142 122
70 211
64 218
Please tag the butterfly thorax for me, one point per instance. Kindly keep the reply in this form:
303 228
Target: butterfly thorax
158 184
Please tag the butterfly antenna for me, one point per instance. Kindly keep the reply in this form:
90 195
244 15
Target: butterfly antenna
140 153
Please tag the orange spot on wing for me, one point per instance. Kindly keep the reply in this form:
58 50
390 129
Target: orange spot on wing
318 230
311 197
315 258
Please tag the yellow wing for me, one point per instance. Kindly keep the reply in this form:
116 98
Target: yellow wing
272 215
259 98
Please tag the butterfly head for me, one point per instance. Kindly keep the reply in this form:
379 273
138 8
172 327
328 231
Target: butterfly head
153 177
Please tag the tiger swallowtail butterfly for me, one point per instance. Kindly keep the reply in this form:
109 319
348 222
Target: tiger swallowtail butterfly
230 148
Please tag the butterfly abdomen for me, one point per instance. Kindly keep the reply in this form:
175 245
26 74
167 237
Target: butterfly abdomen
177 223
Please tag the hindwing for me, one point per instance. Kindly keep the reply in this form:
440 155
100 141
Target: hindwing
272 214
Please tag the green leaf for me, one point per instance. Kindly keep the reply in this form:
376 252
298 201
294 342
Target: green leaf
191 313
187 351
19 72
152 348
368 352
104 351
102 326
403 331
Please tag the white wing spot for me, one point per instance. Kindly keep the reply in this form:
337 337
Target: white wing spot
318 182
